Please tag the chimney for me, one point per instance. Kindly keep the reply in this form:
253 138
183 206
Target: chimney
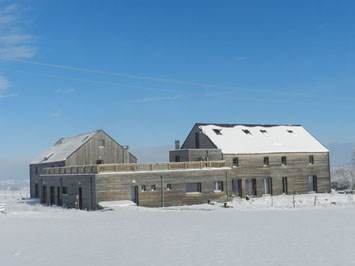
126 154
177 144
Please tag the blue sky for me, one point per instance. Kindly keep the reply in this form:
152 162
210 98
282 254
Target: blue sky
146 71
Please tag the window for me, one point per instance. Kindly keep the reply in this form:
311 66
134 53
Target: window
36 190
284 185
235 162
311 159
177 158
64 190
267 185
250 187
153 187
218 186
168 187
237 187
217 131
266 161
312 183
36 170
283 160
193 188
99 162
101 143
246 131
197 140
143 188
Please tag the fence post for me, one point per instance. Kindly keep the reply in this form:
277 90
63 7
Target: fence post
294 205
315 200
272 201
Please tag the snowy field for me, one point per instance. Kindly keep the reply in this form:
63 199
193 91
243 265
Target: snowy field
263 231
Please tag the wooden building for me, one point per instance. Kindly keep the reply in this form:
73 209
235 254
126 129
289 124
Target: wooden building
264 159
86 149
215 163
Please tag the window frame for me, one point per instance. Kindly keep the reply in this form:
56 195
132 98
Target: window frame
153 187
218 186
168 187
266 161
64 190
283 160
143 188
311 160
235 162
198 188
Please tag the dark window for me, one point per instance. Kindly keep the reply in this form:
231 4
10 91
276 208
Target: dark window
44 194
143 188
64 190
168 186
283 160
237 187
177 158
197 140
267 185
217 131
218 186
312 183
193 188
284 185
250 187
235 162
311 159
266 161
36 170
99 162
101 143
153 187
36 190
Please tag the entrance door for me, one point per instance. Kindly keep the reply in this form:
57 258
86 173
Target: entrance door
284 185
134 194
237 187
52 195
59 202
44 194
80 198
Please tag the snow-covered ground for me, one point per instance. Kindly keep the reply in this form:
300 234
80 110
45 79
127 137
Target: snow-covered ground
250 233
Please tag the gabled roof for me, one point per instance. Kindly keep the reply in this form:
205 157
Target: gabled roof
257 138
63 148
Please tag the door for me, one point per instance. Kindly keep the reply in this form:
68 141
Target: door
284 185
52 195
44 194
59 202
80 198
134 194
237 187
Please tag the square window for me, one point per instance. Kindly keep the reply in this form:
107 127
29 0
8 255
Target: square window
266 161
101 143
177 158
218 186
143 188
235 162
283 160
153 187
64 190
168 187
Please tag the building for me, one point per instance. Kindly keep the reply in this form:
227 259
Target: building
86 149
264 159
215 163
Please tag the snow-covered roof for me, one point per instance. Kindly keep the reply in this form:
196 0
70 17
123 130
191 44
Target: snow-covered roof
250 139
63 148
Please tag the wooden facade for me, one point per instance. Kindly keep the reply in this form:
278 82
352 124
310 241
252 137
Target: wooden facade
98 148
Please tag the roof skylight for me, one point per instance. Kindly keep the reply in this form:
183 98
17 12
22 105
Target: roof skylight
263 131
246 131
290 131
217 131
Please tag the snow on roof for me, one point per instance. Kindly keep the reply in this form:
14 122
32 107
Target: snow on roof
63 148
249 139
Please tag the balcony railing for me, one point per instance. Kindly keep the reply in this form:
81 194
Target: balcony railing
95 169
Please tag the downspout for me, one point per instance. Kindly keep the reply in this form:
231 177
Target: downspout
161 191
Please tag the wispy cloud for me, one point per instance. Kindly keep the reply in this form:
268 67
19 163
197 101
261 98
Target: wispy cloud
158 99
240 58
14 41
54 115
66 91
4 86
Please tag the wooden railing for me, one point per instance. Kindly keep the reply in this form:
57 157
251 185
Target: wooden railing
94 169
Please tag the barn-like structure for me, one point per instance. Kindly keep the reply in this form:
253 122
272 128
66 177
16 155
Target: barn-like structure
216 162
